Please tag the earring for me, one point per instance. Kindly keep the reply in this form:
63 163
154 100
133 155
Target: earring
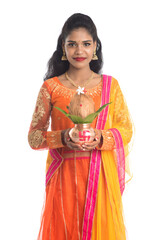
64 58
94 56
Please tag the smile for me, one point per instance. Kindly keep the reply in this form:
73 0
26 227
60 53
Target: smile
79 59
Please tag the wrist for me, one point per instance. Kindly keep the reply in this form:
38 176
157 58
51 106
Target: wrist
101 141
63 137
107 140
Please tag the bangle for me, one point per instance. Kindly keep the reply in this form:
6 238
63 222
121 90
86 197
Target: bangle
62 138
101 142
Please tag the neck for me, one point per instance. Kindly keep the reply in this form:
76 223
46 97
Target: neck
79 75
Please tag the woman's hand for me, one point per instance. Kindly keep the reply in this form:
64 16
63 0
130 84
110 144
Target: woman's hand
69 143
87 146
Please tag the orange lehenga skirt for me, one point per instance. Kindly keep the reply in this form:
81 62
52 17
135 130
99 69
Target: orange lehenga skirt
63 216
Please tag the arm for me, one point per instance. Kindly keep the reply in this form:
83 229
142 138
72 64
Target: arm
121 117
120 121
38 136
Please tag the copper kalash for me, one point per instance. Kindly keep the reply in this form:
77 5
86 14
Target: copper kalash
82 113
82 105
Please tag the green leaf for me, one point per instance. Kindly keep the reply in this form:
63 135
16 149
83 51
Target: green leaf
65 113
92 116
101 108
76 119
89 119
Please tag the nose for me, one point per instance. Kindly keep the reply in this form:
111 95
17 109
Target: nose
79 49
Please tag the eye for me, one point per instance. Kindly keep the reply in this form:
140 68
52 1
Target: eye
72 44
87 44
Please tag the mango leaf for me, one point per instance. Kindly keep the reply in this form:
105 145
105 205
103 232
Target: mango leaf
89 119
92 116
101 108
61 110
76 119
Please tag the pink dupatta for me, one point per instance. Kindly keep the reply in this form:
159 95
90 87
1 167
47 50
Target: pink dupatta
95 163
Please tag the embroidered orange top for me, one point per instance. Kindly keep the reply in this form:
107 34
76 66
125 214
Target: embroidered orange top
53 93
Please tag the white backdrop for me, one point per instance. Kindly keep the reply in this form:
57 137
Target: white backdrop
129 31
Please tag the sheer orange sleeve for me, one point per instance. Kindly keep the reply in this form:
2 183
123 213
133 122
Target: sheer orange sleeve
38 136
107 141
119 118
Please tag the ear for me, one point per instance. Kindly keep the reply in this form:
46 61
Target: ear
95 45
63 46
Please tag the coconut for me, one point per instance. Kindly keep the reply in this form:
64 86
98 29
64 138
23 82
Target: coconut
81 105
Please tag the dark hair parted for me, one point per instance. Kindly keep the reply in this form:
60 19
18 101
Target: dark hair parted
56 66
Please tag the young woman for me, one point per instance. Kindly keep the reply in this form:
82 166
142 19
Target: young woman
84 183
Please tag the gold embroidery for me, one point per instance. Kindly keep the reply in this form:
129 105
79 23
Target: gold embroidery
68 93
63 91
108 141
54 139
60 90
40 106
51 84
35 138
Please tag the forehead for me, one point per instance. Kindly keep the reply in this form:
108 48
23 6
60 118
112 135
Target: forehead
80 34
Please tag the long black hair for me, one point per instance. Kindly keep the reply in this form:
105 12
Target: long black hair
56 66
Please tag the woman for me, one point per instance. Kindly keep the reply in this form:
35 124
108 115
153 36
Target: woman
84 183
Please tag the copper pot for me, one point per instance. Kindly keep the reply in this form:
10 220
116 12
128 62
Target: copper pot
82 133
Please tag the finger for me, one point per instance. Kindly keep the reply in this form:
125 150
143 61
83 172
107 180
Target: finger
91 144
97 135
66 135
74 146
89 148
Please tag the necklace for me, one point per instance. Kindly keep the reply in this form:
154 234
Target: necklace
77 86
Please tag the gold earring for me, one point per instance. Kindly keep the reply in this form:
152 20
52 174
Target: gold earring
64 58
94 56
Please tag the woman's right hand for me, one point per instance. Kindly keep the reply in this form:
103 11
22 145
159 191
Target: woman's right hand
68 142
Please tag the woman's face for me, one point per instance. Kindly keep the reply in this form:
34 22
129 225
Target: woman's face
79 48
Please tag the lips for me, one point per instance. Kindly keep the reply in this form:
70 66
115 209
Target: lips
79 59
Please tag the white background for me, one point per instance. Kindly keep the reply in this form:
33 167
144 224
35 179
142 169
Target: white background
129 31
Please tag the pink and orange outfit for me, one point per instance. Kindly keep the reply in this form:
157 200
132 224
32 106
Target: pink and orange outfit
83 189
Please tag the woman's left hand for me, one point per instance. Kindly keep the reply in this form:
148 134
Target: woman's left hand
88 146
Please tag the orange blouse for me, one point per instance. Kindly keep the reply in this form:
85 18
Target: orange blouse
53 93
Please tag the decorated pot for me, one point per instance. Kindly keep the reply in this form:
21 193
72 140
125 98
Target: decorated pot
82 133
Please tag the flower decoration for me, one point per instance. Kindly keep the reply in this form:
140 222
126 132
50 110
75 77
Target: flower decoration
80 90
